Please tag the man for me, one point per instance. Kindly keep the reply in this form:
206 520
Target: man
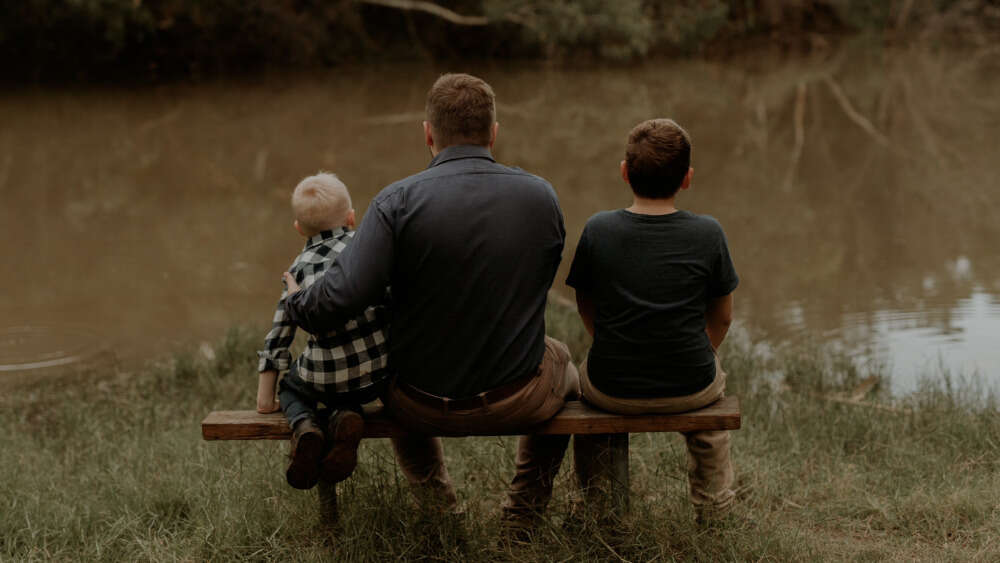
470 249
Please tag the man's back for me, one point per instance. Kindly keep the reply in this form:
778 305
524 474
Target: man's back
478 245
470 248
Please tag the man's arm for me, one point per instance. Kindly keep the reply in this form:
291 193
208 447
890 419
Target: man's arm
355 280
718 317
585 306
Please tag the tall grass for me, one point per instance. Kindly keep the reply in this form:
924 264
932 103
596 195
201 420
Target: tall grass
112 467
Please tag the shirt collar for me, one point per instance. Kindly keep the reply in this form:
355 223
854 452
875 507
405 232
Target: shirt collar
323 236
456 152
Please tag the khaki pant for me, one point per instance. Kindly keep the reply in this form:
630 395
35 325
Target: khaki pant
710 471
421 457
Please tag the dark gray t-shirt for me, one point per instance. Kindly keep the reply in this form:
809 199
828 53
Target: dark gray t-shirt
650 278
470 248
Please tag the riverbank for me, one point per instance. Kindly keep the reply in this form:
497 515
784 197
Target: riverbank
130 40
112 467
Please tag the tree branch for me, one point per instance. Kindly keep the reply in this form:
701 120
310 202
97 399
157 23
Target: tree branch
800 134
429 8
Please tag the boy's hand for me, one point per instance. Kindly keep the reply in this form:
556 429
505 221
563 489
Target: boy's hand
266 401
290 284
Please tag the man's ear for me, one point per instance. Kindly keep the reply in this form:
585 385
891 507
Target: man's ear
493 133
349 221
428 136
298 227
687 179
624 168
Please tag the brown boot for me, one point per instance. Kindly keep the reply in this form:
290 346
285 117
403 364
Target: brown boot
306 455
344 432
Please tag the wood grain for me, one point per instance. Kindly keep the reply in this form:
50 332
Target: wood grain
575 418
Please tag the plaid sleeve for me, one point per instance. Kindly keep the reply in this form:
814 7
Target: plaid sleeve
275 355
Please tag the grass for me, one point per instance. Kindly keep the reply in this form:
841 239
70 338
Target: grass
112 467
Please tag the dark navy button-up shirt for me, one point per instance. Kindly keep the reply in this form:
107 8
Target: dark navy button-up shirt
470 248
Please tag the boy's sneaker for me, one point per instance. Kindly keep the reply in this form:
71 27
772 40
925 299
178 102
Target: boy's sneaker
344 432
306 455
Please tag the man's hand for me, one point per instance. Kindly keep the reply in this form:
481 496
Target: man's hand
290 284
266 401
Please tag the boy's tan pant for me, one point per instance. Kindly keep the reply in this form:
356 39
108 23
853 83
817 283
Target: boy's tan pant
421 457
710 472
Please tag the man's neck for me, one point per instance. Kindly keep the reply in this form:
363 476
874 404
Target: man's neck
647 206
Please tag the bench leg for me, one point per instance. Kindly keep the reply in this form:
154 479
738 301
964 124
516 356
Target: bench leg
601 463
328 514
618 450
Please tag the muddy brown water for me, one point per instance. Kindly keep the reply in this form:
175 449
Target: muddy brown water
859 191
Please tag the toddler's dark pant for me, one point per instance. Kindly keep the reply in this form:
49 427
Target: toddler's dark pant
299 398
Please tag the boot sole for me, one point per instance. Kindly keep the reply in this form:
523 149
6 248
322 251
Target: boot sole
345 434
304 469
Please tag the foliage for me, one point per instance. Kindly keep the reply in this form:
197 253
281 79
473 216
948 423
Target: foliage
689 25
611 30
55 39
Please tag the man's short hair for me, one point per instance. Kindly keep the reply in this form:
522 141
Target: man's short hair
657 158
321 203
461 110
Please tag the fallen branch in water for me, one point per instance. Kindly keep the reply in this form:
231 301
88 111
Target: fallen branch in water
800 134
855 397
869 404
860 120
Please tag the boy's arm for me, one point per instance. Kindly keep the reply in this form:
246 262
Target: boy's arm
585 306
718 317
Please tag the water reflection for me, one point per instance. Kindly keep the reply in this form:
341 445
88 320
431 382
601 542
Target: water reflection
859 190
960 339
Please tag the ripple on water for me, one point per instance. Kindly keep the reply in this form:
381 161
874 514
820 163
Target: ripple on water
29 348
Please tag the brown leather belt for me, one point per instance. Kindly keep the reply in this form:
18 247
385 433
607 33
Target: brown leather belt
468 403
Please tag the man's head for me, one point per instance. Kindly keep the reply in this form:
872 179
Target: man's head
657 159
461 110
321 203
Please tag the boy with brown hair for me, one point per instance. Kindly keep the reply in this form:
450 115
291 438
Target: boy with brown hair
654 288
341 368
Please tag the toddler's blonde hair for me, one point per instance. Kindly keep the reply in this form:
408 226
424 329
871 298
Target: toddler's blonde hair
321 203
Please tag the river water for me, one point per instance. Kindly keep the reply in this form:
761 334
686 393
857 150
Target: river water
859 190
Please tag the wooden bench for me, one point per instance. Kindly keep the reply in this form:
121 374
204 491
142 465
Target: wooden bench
575 418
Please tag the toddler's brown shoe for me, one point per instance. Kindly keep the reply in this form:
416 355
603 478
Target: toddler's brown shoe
344 432
306 455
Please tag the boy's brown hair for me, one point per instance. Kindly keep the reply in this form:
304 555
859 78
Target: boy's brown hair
657 158
461 110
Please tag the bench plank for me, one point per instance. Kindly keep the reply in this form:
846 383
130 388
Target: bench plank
575 418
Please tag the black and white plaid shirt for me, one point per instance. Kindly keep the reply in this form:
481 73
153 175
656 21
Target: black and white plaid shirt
350 358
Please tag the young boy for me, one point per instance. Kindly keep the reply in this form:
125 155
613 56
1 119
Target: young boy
342 369
654 288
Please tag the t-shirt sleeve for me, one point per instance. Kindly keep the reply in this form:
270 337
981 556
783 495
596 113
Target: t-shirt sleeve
579 271
724 278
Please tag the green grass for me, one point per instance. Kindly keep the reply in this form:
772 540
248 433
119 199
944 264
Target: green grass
112 467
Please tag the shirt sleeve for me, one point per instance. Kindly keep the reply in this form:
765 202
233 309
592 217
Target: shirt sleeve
724 279
354 281
275 355
579 271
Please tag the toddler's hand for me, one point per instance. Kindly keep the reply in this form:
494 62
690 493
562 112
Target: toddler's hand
266 401
267 405
290 284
